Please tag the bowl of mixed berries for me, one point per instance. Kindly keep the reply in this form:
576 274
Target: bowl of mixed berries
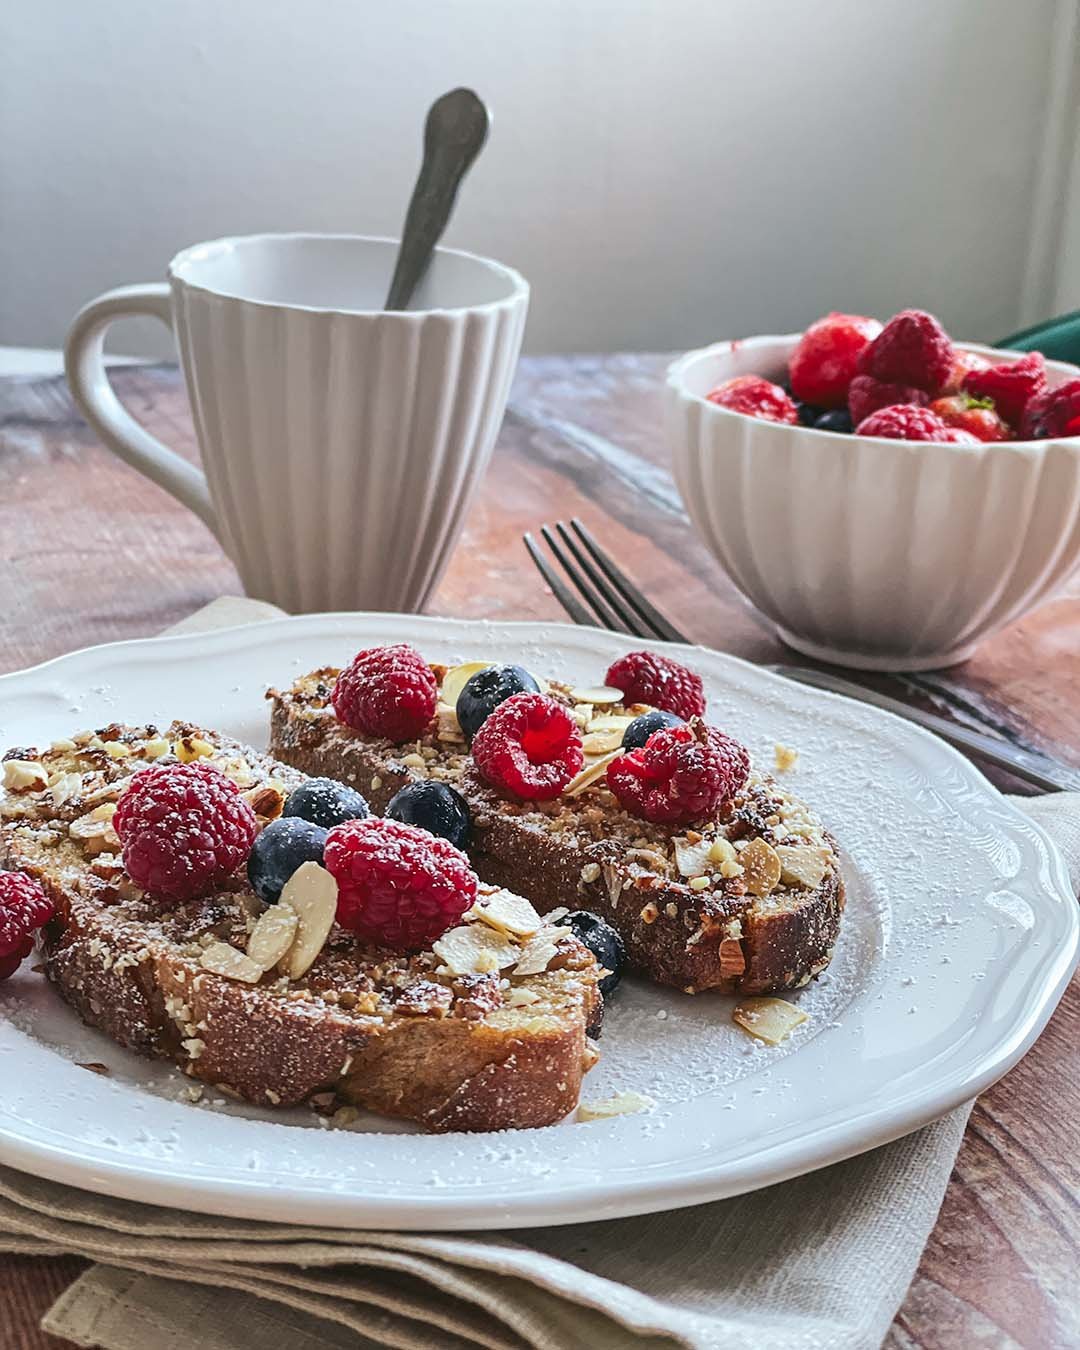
885 496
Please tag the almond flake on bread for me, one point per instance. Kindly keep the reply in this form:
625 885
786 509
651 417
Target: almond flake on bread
475 949
506 912
311 892
221 959
274 933
802 864
25 775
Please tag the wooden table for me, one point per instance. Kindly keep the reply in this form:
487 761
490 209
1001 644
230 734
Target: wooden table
92 553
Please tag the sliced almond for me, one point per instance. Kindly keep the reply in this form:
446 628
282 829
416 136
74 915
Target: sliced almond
155 748
190 748
221 959
457 677
537 954
475 949
507 913
25 775
601 742
312 893
609 722
693 859
601 694
589 774
761 867
802 864
274 933
622 1104
769 1019
521 998
67 786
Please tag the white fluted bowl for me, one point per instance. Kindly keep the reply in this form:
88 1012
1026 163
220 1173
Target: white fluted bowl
878 554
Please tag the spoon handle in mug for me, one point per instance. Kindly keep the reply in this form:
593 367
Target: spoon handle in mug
454 133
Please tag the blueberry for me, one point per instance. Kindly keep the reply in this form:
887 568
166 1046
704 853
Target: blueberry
836 419
279 850
325 802
641 728
482 694
434 807
602 940
808 414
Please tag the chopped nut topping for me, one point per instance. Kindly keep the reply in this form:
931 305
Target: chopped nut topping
190 748
786 758
590 872
693 858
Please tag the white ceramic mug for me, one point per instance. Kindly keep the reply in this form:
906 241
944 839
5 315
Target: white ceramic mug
342 445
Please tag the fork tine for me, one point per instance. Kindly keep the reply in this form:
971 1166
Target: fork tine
595 602
577 611
630 621
648 612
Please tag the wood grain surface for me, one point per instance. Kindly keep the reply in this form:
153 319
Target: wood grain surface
91 552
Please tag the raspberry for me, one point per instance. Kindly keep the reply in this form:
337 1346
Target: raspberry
185 828
964 364
387 691
825 361
1055 413
1011 384
680 775
868 394
398 886
904 422
755 397
912 348
529 746
647 677
972 414
24 907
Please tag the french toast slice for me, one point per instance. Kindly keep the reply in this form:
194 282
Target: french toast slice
444 1040
749 902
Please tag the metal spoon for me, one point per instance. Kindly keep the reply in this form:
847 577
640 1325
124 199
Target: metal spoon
454 133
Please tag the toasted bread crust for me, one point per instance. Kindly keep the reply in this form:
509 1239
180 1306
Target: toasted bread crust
680 937
474 1063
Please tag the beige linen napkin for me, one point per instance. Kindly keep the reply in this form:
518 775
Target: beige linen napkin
818 1263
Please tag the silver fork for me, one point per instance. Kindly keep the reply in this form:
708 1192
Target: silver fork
612 601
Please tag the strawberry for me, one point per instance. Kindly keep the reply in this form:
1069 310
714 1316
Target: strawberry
824 362
977 415
1011 384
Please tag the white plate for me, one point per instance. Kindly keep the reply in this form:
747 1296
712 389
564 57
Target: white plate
959 937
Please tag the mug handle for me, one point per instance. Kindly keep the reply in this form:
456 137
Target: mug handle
85 366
